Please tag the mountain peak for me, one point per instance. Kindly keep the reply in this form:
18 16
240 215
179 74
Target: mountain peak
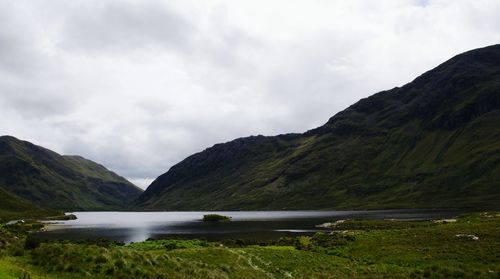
443 89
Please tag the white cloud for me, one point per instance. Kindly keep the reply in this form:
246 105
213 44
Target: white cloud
140 85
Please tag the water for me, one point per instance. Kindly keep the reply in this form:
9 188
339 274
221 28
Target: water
259 225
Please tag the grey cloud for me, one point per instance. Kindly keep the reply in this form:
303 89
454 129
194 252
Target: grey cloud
30 80
125 25
18 51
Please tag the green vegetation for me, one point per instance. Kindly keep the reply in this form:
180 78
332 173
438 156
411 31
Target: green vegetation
61 217
356 249
215 218
434 142
168 244
33 179
13 208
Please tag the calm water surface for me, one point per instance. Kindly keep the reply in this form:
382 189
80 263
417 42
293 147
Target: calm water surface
259 225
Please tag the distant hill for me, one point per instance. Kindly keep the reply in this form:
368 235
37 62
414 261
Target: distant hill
435 142
40 177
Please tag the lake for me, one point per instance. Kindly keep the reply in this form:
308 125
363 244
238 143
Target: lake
259 225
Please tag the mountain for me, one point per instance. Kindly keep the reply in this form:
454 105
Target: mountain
41 177
435 142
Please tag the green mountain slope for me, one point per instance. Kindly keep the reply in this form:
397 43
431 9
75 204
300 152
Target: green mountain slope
435 142
13 207
49 180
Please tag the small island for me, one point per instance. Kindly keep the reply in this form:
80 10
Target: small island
64 217
215 218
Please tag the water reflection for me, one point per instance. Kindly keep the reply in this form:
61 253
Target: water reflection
138 234
258 225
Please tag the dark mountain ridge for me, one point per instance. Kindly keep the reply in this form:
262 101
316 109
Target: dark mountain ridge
49 180
434 142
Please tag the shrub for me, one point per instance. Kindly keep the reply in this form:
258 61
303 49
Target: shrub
17 252
119 264
171 246
31 242
110 270
100 259
303 243
332 240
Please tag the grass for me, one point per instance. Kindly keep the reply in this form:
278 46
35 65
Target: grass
168 244
356 249
7 272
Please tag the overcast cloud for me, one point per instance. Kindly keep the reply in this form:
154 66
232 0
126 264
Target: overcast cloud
139 85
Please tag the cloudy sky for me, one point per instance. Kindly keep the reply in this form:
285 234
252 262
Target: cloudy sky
140 85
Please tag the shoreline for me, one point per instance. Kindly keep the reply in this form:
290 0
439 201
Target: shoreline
51 226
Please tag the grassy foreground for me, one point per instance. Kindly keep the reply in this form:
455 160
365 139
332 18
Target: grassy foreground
468 247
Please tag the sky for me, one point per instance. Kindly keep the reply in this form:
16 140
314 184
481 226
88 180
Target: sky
140 85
